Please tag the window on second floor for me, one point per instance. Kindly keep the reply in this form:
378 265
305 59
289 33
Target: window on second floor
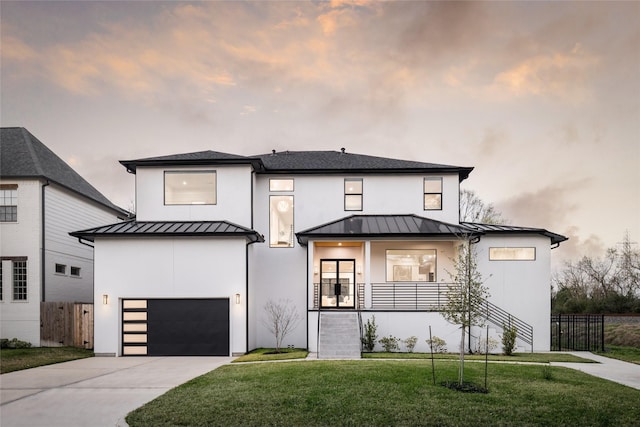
74 271
8 203
352 194
281 221
190 188
278 184
512 254
432 194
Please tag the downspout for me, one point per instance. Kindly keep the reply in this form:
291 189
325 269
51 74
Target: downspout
246 294
43 253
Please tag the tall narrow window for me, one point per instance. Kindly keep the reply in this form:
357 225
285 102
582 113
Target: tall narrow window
352 194
1 288
8 203
19 280
281 221
190 188
432 194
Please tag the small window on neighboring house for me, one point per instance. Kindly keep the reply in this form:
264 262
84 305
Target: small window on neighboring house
432 194
19 280
75 271
352 194
1 288
190 188
61 269
8 203
281 184
281 221
512 254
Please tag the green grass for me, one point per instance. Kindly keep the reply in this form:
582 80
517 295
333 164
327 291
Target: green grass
627 354
386 392
516 357
260 355
25 358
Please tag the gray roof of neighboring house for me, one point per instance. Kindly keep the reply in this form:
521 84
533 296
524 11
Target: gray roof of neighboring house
357 226
169 229
301 162
510 229
22 155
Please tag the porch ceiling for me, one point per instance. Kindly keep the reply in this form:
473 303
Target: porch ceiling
363 226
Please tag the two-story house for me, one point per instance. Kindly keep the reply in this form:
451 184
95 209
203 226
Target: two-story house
42 199
336 235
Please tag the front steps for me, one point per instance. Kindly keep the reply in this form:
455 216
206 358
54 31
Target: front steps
339 335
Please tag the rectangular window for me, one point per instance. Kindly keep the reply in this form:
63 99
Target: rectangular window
61 269
352 194
1 289
75 271
512 254
432 194
281 185
411 265
19 280
8 203
190 188
281 221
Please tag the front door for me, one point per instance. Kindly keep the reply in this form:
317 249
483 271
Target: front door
337 278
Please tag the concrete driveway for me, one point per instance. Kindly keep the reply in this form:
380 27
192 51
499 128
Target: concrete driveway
98 391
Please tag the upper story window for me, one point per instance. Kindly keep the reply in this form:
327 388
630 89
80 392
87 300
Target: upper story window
75 271
411 265
432 194
281 221
352 194
190 187
8 203
61 269
512 254
281 184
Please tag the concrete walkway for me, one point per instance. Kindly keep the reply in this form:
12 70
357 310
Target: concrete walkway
98 391
610 369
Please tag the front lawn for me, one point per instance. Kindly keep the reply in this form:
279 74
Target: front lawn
15 359
627 354
515 358
385 392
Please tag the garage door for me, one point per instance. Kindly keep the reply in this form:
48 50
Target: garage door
175 327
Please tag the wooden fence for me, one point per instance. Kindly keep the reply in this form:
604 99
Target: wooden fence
66 324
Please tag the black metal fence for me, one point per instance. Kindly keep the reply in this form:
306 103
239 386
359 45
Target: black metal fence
577 332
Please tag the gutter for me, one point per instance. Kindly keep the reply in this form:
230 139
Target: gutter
43 253
246 293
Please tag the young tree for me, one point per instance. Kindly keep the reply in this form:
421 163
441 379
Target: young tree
465 296
473 209
281 318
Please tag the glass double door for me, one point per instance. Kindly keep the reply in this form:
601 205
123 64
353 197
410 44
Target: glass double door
337 278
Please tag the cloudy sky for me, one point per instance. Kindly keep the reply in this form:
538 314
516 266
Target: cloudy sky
542 98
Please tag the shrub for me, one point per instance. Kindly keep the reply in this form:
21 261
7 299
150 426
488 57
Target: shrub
370 335
410 343
389 343
482 347
437 344
14 343
547 372
508 339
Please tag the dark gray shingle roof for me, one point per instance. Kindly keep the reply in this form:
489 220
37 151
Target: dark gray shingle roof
510 229
357 226
22 155
169 229
199 158
342 161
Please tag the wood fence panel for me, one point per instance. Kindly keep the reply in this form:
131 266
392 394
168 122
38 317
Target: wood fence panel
66 324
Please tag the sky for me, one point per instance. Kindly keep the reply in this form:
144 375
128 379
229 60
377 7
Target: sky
541 98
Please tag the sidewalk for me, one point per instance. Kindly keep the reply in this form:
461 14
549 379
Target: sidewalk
97 391
610 369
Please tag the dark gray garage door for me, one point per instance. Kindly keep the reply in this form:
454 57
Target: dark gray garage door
176 327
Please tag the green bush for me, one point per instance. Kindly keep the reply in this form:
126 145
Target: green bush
14 343
389 343
410 343
437 345
370 334
509 339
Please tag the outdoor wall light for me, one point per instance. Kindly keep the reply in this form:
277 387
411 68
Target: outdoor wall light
237 298
315 269
105 299
359 269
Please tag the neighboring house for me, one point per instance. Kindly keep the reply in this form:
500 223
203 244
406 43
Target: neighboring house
41 200
341 236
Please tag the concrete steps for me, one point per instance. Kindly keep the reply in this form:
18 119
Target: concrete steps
339 335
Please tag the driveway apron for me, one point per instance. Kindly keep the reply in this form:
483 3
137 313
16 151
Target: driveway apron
97 391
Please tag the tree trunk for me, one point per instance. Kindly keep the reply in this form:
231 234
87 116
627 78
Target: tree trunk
461 367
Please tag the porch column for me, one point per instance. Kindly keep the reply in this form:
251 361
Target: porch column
311 275
367 274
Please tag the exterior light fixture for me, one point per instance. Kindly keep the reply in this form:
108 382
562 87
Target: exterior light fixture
105 299
237 298
315 269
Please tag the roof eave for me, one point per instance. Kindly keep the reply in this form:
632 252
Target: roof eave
132 165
